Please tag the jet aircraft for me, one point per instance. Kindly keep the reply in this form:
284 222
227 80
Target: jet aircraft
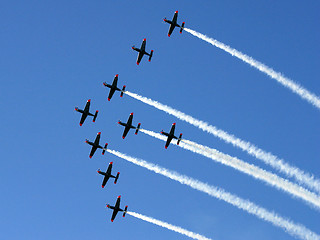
142 51
117 208
114 87
95 145
128 126
108 175
171 135
174 23
85 112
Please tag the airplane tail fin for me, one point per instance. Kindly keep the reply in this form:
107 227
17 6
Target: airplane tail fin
95 116
150 55
137 129
105 148
125 211
116 179
179 139
122 91
182 26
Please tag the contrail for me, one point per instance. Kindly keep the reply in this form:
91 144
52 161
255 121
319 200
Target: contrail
287 225
300 176
244 167
293 86
169 226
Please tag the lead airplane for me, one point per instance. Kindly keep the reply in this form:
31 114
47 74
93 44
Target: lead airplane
117 208
171 135
114 87
108 175
174 23
129 126
142 51
95 145
85 112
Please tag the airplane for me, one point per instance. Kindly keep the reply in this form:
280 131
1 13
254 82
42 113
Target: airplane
171 135
117 208
174 23
85 112
95 145
142 51
108 175
114 87
128 126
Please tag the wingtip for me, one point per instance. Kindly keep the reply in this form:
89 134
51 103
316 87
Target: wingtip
80 124
131 113
119 196
176 11
99 133
144 39
89 100
168 35
109 99
137 63
173 123
165 147
117 75
102 186
90 156
122 137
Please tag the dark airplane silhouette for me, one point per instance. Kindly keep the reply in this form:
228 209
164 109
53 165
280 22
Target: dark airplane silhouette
128 126
174 23
116 209
142 51
114 87
85 112
171 135
95 145
108 175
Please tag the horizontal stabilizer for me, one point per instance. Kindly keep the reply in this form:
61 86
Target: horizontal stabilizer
122 91
137 129
105 147
116 179
95 116
182 26
125 211
150 55
179 139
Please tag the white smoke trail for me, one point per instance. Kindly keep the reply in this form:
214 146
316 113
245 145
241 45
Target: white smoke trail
168 226
244 167
293 86
300 176
287 225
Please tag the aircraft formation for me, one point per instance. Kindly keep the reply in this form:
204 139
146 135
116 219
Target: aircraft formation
127 125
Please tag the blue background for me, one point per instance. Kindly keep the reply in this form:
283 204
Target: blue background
55 56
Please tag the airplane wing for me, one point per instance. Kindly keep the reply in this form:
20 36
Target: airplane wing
114 214
112 90
175 17
143 45
83 118
171 29
140 55
125 132
168 142
86 108
93 150
105 180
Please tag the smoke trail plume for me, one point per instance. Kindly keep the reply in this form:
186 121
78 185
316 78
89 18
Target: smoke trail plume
293 86
244 167
168 226
290 171
287 225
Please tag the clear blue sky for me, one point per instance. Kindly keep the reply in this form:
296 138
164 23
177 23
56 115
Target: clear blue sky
55 56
